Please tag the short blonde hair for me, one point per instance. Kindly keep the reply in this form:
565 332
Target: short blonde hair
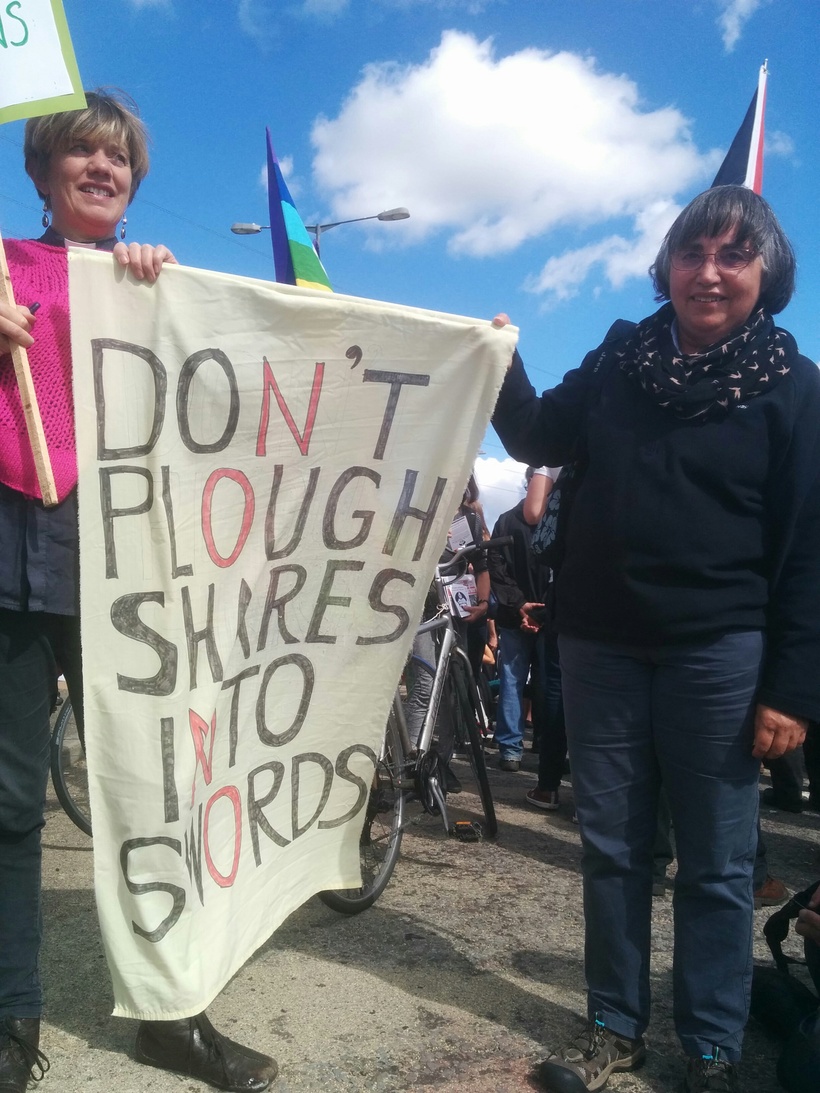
110 115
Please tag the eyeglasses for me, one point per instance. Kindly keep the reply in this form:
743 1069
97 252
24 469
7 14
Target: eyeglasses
729 259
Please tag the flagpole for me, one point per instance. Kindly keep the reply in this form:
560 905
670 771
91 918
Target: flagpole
754 178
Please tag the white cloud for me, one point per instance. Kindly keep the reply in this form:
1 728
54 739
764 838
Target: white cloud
500 485
286 166
257 20
494 151
778 143
733 16
619 258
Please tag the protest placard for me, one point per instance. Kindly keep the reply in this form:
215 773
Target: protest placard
267 477
38 73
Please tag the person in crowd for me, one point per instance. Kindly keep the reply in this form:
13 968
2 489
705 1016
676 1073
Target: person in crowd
786 790
687 608
552 748
488 680
518 582
787 773
538 492
86 166
466 529
477 622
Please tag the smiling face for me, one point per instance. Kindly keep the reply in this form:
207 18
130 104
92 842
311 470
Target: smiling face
89 187
710 302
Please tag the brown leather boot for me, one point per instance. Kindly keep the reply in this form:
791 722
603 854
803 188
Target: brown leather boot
20 1055
193 1047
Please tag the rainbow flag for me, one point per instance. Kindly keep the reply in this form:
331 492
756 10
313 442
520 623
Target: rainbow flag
743 165
294 256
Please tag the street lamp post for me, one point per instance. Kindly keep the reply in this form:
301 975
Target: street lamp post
318 229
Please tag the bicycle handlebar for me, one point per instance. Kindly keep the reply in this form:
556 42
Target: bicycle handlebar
476 548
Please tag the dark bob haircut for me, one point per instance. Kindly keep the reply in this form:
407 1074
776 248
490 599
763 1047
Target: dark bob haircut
110 115
719 210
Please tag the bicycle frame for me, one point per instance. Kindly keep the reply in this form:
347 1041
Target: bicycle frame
449 646
406 769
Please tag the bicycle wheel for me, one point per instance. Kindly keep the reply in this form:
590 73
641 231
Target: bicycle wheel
468 759
381 835
68 768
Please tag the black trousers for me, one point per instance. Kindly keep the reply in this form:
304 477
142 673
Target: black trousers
32 644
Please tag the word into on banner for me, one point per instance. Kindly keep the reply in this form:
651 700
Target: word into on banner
262 552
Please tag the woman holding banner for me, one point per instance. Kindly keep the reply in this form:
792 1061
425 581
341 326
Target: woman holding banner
87 166
687 609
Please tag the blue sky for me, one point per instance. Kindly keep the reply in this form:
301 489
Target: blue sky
542 146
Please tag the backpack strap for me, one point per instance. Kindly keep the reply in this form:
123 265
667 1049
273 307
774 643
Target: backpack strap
776 927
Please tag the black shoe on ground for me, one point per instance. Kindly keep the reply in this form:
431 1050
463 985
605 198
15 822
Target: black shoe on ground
710 1074
589 1059
509 764
20 1055
451 782
772 799
194 1048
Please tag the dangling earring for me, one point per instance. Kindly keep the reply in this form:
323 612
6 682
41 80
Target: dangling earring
46 219
122 229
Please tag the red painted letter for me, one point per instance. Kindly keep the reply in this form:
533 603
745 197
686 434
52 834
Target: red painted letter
232 793
247 515
269 382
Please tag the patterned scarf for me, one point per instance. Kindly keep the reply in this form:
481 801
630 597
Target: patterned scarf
707 386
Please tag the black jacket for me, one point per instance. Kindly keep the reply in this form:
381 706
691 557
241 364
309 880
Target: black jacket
516 575
681 531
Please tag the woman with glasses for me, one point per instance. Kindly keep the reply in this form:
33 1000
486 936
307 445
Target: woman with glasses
688 612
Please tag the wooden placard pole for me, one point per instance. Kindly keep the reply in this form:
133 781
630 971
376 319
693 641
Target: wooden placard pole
28 397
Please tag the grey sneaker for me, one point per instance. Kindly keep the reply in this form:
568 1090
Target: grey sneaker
509 763
711 1074
588 1061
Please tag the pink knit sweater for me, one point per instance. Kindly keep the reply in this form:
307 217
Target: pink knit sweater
40 273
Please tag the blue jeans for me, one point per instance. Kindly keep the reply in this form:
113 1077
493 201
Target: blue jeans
28 676
518 652
682 715
419 689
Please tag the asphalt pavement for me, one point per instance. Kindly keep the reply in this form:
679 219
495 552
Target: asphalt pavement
466 972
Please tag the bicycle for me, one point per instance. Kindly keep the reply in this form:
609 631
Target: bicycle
408 774
69 773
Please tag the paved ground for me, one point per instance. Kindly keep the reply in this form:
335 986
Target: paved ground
467 970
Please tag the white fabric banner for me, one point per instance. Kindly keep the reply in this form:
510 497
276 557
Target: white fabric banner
267 476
